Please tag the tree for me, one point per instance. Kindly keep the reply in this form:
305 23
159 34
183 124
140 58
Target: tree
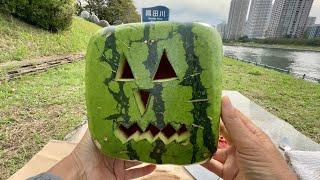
121 11
96 6
243 39
114 11
79 7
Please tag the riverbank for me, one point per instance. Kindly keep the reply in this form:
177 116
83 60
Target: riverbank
302 64
294 100
275 46
48 105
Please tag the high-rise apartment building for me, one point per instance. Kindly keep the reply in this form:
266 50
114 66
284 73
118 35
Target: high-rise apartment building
237 18
289 18
222 28
260 11
313 31
311 21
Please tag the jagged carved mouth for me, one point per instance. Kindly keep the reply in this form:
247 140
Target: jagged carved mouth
152 133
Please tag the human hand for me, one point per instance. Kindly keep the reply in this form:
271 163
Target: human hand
87 162
251 153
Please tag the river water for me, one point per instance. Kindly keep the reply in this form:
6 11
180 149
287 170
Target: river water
298 62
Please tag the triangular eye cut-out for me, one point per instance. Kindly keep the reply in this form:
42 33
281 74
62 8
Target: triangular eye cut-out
165 70
142 98
124 71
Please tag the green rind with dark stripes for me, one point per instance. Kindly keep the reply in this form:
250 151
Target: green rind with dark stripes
195 52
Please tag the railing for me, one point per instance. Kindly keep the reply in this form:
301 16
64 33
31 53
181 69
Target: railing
298 75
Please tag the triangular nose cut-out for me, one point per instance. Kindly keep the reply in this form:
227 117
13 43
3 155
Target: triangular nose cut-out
165 70
124 71
142 98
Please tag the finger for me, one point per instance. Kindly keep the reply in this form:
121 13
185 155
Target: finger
221 155
231 165
263 137
238 132
214 166
118 168
225 133
247 122
86 140
130 164
139 172
250 125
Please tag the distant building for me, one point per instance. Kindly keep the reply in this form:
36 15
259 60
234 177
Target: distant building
289 18
222 28
313 31
311 21
259 13
245 30
237 19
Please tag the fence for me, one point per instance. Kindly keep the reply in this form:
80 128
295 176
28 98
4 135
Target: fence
298 75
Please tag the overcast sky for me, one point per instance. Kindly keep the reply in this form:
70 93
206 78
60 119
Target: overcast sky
208 11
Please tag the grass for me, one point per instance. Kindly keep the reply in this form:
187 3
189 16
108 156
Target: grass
20 41
46 106
293 100
276 46
37 108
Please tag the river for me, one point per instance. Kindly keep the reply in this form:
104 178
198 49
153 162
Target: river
298 62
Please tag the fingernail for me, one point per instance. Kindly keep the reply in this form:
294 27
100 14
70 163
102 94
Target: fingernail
226 103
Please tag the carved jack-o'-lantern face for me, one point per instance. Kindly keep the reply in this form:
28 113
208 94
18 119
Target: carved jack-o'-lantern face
153 91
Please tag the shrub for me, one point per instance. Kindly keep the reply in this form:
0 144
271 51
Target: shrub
54 15
85 15
94 19
104 23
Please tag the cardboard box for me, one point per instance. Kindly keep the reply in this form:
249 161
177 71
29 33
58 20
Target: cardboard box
55 151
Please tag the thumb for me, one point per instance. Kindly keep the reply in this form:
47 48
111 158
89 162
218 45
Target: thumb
237 130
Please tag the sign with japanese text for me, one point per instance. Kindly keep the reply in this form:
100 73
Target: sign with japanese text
157 13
